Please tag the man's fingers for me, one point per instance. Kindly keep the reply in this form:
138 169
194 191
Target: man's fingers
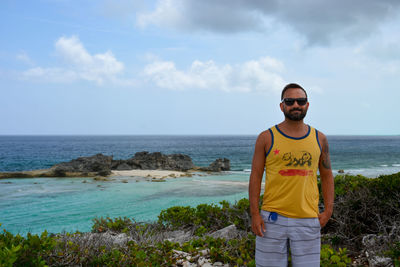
258 226
260 231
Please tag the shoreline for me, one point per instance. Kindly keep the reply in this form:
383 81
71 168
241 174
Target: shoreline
48 173
156 174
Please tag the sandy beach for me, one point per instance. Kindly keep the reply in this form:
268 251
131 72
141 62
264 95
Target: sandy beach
149 173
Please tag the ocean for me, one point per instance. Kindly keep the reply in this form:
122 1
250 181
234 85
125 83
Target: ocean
70 204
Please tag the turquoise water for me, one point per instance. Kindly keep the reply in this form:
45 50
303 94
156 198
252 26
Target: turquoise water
70 204
58 204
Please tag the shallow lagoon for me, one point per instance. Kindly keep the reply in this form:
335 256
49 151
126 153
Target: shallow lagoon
70 204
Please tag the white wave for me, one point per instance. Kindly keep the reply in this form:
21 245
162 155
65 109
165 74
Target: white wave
374 172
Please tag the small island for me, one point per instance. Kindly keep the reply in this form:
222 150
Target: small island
143 164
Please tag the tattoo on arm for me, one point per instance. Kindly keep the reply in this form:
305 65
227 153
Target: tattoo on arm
325 160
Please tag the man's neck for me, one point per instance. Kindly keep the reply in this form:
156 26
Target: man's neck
293 128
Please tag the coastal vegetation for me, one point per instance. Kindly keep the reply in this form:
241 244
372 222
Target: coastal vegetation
364 229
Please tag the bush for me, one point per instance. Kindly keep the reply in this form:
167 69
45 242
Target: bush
208 216
20 251
364 206
117 224
330 257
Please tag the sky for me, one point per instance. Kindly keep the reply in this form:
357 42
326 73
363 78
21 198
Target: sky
190 67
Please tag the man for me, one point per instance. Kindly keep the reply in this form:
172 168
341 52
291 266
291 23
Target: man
291 153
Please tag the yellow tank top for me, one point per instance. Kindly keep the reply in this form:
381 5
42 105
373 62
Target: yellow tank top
291 167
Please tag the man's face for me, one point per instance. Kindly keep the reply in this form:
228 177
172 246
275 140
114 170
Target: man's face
294 112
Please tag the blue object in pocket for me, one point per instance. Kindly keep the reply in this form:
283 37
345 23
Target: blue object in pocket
273 216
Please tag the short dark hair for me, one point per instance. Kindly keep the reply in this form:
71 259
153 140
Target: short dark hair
292 86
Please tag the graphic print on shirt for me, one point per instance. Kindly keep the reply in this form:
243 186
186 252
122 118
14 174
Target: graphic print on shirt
302 159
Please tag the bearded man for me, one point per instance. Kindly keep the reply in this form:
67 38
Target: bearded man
289 216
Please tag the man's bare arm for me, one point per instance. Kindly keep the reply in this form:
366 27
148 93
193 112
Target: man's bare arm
257 171
327 181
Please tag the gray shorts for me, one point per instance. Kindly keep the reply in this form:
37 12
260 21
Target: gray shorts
302 236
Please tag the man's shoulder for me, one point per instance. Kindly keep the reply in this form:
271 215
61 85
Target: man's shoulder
266 132
321 136
265 137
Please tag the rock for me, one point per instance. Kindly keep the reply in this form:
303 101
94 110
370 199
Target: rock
153 161
180 253
102 179
107 239
373 244
204 252
228 232
204 262
98 163
201 261
123 167
104 173
178 236
119 239
158 180
340 171
218 165
188 264
102 165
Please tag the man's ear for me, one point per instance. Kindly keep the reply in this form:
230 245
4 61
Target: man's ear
281 105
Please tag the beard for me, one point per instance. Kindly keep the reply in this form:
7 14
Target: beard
295 116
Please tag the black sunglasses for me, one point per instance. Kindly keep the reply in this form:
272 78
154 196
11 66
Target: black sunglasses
290 101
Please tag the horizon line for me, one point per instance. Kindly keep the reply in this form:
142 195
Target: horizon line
248 134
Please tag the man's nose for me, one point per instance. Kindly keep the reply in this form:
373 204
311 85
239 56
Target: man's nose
295 104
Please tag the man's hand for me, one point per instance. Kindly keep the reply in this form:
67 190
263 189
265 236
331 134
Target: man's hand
257 225
324 218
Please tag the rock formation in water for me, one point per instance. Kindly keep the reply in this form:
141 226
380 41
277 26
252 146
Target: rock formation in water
155 161
102 165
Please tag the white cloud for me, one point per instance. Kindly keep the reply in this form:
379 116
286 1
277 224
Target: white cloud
255 75
80 65
56 75
24 57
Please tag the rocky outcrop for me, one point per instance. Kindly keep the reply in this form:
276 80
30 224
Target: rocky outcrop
228 232
153 161
218 165
102 165
98 163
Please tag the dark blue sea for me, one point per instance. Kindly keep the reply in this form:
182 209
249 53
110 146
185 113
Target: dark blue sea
58 204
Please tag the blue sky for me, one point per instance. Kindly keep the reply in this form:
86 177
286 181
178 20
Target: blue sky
197 67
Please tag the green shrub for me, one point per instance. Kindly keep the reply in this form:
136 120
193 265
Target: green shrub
117 224
20 251
208 216
330 257
394 253
177 216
